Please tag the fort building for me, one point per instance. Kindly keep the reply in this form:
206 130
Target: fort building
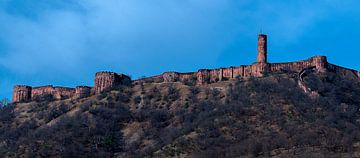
21 93
107 80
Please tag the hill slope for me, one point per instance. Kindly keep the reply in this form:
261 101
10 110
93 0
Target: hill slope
256 117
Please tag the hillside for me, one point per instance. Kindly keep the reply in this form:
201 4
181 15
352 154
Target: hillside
255 117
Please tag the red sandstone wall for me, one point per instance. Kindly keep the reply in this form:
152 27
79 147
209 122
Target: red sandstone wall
215 75
203 76
56 93
185 77
247 71
171 76
82 91
262 49
228 73
292 66
105 80
153 79
238 71
38 92
320 62
63 93
258 69
27 93
343 71
21 93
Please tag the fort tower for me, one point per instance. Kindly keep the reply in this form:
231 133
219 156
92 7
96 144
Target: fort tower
22 93
106 80
262 48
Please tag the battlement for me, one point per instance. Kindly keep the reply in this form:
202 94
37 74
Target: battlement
23 93
105 80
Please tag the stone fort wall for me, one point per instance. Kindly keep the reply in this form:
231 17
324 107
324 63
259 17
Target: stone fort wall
205 76
27 93
103 81
106 80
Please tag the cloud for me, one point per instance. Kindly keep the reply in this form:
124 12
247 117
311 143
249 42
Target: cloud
66 42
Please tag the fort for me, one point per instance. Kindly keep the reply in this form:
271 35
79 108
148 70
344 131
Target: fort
107 80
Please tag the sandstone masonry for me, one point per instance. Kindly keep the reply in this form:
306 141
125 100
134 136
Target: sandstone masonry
107 80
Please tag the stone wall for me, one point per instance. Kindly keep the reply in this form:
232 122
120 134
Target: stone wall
26 93
50 92
343 71
106 80
227 73
38 93
21 93
63 93
257 69
238 71
215 75
320 62
290 67
171 76
203 76
153 79
82 91
187 77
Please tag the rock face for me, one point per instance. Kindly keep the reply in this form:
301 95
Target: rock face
106 80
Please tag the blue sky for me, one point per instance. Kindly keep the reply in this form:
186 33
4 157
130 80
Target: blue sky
64 42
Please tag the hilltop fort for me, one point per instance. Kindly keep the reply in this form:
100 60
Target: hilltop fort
107 80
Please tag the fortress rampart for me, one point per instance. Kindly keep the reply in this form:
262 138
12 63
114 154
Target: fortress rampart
107 80
27 93
22 93
258 69
82 91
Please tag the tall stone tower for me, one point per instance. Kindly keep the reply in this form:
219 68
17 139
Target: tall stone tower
262 48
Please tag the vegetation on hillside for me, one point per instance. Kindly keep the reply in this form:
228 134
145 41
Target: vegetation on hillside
256 117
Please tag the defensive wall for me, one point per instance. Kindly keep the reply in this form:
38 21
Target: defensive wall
107 80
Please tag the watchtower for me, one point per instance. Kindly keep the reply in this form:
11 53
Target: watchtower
262 48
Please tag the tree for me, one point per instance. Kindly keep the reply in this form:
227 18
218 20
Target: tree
4 102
